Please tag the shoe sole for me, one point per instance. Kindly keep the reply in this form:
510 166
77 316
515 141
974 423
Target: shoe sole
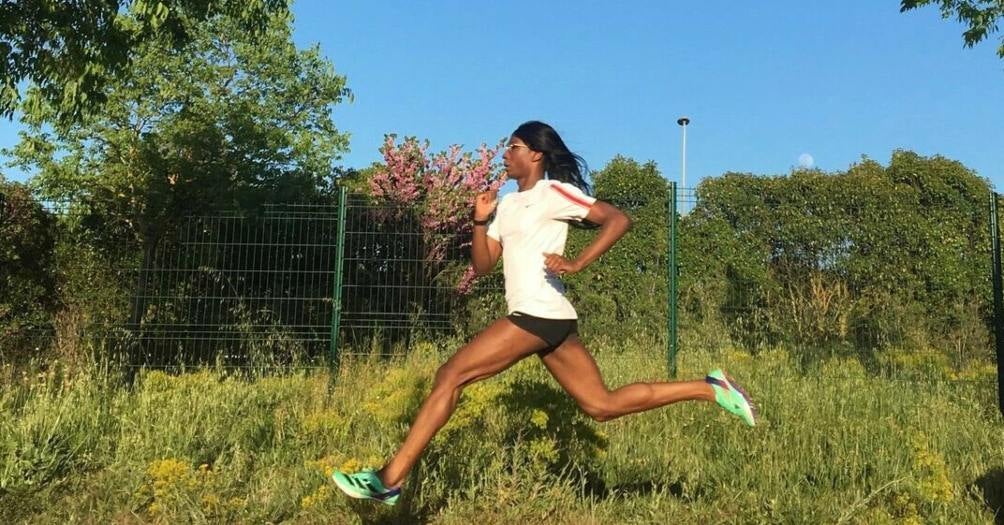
749 408
349 490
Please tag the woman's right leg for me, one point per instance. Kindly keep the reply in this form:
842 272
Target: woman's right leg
493 350
576 371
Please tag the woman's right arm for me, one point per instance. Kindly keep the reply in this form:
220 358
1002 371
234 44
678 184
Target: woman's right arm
485 251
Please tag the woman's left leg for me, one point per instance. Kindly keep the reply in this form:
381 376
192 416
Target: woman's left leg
496 348
576 371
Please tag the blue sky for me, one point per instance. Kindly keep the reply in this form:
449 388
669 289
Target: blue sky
764 83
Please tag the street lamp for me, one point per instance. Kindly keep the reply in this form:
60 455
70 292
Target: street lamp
683 121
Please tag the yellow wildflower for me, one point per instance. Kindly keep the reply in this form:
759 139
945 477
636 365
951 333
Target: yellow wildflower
319 496
929 465
539 418
351 465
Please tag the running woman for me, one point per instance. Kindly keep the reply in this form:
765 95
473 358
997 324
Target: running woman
528 231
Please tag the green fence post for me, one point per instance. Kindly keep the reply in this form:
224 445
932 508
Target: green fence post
336 306
673 275
995 270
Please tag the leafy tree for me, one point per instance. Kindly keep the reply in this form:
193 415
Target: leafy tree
980 16
228 121
71 51
625 294
873 256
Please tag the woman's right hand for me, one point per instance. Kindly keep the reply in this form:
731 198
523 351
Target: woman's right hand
484 205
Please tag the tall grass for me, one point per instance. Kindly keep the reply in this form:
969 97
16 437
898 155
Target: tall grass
837 444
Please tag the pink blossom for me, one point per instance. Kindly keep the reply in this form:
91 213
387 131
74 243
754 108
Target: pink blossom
466 282
441 187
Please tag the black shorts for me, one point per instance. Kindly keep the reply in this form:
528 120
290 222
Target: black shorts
552 331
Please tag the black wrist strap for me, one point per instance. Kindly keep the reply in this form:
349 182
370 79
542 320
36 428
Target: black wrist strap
481 223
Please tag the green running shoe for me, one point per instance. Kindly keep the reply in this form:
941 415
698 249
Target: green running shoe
366 485
731 396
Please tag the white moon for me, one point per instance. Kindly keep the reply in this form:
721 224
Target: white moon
805 160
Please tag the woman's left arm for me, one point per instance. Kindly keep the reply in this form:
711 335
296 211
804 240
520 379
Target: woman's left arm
613 225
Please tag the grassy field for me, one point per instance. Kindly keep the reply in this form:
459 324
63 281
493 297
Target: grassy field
837 444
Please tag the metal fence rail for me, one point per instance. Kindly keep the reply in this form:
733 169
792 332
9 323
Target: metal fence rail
998 295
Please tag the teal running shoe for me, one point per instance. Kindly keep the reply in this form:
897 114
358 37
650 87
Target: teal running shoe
731 396
366 485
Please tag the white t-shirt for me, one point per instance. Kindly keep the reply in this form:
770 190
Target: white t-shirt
529 224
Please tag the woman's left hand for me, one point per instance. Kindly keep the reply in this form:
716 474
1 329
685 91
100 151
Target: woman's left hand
559 265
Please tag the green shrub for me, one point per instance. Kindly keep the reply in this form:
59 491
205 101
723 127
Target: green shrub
27 283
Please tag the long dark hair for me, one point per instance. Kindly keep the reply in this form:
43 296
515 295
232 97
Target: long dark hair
559 162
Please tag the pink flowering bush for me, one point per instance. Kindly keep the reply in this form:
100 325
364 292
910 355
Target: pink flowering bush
440 188
399 180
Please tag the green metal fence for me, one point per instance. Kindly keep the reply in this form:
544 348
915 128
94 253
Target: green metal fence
233 289
401 281
748 318
304 283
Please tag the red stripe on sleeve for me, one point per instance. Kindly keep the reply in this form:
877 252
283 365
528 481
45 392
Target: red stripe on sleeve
575 200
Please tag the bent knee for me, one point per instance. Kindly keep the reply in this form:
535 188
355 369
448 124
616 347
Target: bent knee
446 376
453 378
